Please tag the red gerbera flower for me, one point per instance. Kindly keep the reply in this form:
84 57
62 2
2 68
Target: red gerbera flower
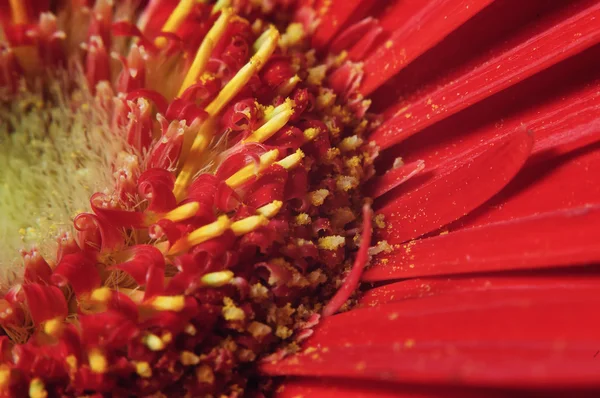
191 183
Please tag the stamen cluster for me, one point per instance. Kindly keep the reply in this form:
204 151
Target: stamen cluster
235 212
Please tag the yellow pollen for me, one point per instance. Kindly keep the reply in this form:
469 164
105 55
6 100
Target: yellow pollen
216 279
200 235
271 209
292 161
71 361
251 170
98 362
350 143
249 224
19 13
4 377
143 369
37 389
183 212
175 20
204 374
231 312
331 242
153 342
267 43
208 44
281 115
168 303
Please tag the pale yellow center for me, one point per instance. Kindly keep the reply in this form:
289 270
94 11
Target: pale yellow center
54 153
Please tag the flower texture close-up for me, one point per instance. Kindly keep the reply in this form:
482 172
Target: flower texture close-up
299 198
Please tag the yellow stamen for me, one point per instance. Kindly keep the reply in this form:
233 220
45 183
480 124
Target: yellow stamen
168 303
249 224
267 44
280 116
19 12
98 362
193 160
200 235
175 20
220 4
251 170
286 88
271 209
183 212
37 389
292 161
216 279
208 44
143 369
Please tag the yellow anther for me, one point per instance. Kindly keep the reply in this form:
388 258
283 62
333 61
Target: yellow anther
200 235
183 212
175 20
267 44
317 198
102 294
71 361
168 303
206 47
280 116
143 369
271 209
251 170
193 160
98 362
216 279
18 11
302 219
311 133
4 377
153 342
37 389
293 160
249 224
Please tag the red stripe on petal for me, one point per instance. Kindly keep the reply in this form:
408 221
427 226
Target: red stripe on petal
393 178
407 41
456 188
541 48
561 238
489 338
333 15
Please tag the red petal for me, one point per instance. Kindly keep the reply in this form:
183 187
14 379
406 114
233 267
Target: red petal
408 40
561 238
537 51
458 187
496 338
79 270
334 14
541 187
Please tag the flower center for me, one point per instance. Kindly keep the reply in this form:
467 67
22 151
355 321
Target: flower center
226 213
53 157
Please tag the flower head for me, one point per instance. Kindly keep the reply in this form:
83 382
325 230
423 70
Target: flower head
191 186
